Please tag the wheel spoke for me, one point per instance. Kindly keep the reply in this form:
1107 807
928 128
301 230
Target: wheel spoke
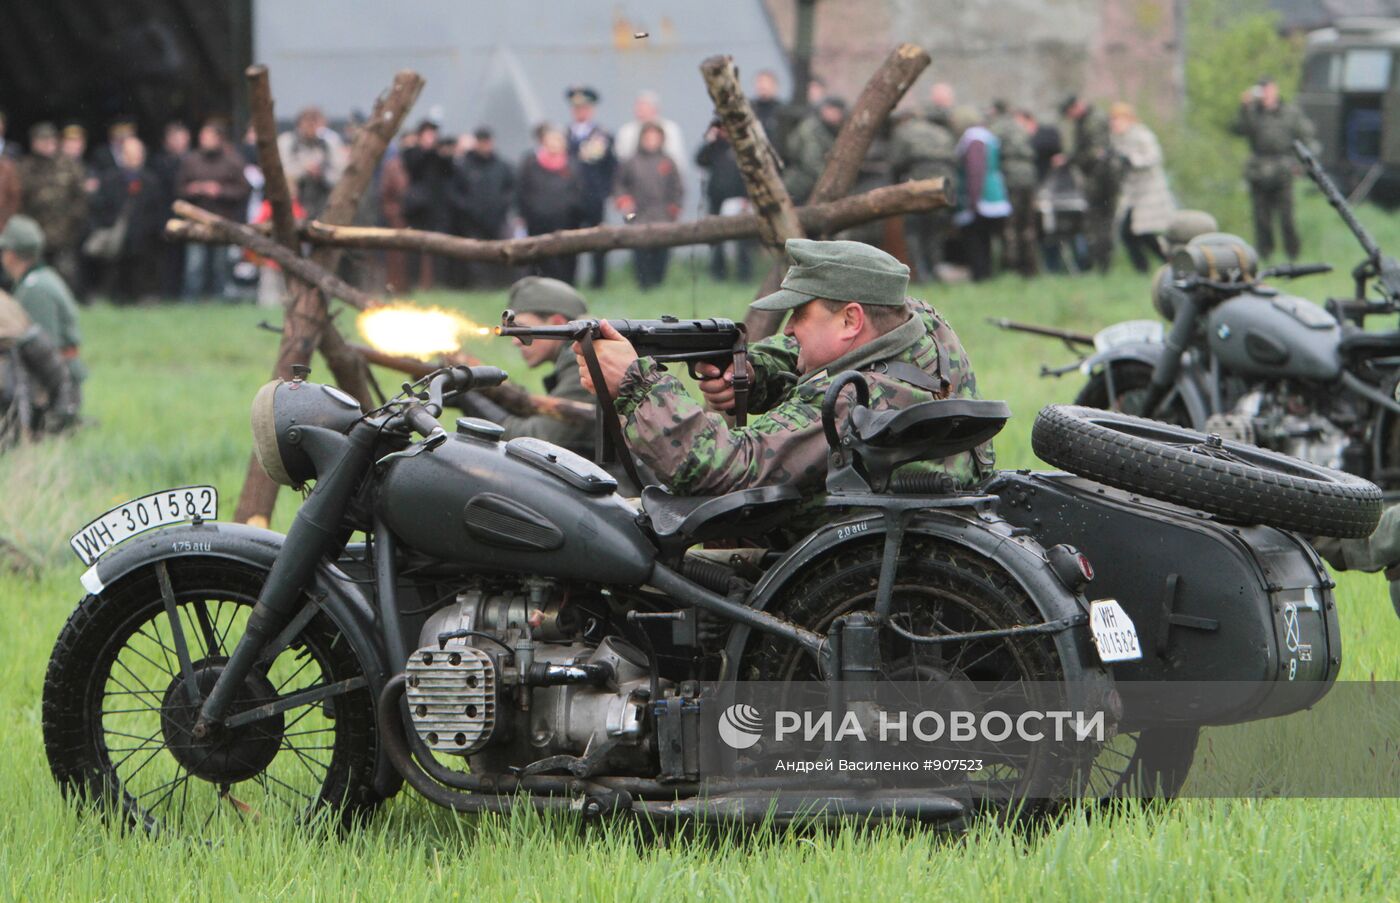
206 629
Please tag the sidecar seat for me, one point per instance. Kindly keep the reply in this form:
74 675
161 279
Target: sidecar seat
681 521
883 441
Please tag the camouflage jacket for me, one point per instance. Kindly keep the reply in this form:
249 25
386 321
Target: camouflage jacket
1017 158
807 147
1093 154
920 149
697 453
53 194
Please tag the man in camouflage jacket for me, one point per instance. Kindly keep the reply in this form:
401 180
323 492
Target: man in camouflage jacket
850 312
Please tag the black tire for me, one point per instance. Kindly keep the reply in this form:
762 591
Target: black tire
940 588
115 716
1147 764
1236 482
1130 383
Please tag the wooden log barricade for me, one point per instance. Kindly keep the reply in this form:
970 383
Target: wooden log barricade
307 325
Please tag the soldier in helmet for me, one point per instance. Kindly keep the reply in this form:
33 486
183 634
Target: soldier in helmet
541 301
1271 125
40 290
54 196
1096 163
1018 173
923 149
849 312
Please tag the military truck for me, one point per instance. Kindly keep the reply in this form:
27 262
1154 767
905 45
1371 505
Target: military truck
1350 91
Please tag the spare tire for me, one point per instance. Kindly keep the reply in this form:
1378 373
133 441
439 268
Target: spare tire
1234 481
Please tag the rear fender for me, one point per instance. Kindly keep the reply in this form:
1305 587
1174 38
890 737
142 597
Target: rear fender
343 601
992 538
1190 381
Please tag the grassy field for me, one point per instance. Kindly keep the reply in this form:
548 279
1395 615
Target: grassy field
168 400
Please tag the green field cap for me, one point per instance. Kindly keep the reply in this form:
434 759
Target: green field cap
544 296
837 271
23 236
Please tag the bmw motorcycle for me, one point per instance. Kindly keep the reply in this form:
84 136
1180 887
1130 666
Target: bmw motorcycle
1249 362
492 623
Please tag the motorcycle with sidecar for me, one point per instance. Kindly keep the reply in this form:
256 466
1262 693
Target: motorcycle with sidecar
492 623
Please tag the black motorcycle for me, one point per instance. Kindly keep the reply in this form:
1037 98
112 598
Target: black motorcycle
443 598
1246 361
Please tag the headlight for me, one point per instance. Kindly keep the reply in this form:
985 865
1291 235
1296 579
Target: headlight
284 413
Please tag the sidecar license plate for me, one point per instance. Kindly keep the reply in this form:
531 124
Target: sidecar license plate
169 506
1114 632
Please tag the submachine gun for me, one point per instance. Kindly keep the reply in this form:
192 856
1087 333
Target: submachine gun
668 340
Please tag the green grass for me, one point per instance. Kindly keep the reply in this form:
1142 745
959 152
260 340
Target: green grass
169 399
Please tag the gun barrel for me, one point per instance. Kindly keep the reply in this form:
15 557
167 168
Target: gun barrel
1334 197
1050 332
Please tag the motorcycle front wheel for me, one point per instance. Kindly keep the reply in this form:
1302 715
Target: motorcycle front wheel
1128 394
123 690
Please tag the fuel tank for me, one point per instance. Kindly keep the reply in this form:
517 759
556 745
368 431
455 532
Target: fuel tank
1275 336
523 506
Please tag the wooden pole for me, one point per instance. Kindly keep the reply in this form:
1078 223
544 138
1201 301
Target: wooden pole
878 203
881 94
306 316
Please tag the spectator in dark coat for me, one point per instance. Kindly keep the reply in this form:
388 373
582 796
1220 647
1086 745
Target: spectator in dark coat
550 197
211 176
726 194
591 150
425 206
132 192
649 191
166 166
482 188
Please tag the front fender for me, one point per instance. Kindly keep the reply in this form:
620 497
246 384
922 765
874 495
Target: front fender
342 600
1020 556
1188 381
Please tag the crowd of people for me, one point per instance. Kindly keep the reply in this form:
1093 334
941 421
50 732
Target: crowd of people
1032 193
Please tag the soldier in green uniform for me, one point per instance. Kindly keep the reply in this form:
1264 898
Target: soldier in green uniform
923 149
808 146
850 312
1093 158
1018 173
541 301
40 290
1271 126
53 194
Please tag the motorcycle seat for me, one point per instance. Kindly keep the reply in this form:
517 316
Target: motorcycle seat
685 520
1360 344
930 429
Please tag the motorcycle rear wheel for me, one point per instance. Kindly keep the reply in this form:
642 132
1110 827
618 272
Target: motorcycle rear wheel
118 716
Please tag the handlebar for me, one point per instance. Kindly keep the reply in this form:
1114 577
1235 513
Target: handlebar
421 416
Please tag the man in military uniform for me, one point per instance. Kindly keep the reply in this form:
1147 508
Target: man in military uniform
923 149
1271 126
808 147
40 290
541 301
850 312
36 392
591 149
1018 173
54 196
1093 158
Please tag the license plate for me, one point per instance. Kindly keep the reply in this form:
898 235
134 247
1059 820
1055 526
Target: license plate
169 506
1114 633
1129 332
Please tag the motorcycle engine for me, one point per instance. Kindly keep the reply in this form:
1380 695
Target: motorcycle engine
1287 423
514 675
